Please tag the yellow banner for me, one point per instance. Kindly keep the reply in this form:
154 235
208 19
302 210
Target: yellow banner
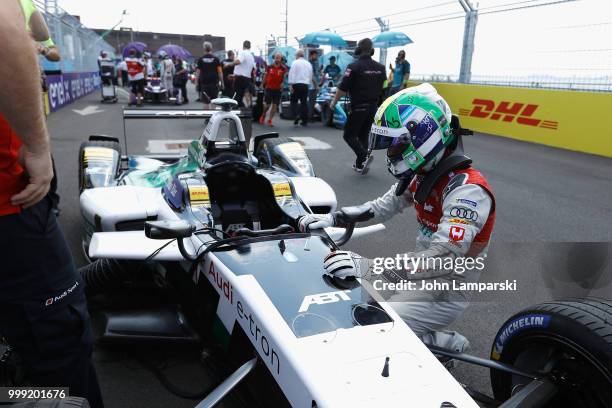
570 120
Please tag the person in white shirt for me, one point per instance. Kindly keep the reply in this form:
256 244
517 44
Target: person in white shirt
149 62
300 77
243 71
167 72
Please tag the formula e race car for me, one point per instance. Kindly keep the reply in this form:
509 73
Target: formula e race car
336 118
155 92
216 231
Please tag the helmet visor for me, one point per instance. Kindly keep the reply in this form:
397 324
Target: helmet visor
382 137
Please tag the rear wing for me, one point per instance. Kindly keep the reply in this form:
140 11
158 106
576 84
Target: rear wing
245 116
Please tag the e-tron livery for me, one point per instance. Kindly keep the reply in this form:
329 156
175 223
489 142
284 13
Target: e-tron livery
218 228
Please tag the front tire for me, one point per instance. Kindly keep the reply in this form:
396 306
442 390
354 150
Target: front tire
571 340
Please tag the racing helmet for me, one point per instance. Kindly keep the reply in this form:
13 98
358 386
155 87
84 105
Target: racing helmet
414 125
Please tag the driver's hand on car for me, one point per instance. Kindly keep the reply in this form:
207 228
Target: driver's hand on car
344 264
316 221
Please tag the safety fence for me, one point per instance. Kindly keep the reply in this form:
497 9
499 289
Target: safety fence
572 120
76 74
79 46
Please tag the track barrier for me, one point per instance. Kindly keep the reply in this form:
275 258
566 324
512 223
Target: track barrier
571 120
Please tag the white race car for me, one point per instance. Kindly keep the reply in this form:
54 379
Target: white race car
217 228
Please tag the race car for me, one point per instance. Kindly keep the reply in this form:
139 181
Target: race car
155 92
326 94
216 228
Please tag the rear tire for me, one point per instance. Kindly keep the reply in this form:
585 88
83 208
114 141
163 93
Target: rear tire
103 275
571 339
95 143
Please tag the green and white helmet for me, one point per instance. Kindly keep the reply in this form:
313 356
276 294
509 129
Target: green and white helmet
414 126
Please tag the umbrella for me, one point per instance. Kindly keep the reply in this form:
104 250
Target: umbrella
388 39
260 61
172 49
343 58
323 38
287 52
138 46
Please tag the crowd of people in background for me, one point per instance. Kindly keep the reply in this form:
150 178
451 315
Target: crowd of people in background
243 76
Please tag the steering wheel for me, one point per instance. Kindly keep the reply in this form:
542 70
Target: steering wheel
348 233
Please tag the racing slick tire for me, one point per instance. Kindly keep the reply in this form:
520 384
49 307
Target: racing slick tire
571 340
105 274
95 143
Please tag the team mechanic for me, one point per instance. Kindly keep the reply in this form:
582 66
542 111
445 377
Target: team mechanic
363 80
454 204
43 314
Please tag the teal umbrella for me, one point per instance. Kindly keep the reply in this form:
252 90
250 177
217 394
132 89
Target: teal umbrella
287 52
388 39
323 38
343 58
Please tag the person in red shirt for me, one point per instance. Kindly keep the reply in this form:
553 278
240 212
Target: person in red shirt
43 311
273 84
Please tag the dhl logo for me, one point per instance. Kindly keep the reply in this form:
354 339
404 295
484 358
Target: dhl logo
507 112
281 189
198 193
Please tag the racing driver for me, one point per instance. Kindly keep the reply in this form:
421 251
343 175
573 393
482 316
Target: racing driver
454 204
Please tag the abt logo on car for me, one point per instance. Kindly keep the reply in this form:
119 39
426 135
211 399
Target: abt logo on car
323 298
506 111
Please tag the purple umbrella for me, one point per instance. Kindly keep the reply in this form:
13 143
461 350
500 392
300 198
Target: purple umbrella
177 50
137 45
259 60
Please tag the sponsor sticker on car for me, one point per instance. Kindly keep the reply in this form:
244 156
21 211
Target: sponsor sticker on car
281 189
199 195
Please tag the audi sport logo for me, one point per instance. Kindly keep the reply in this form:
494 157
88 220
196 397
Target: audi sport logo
464 213
456 233
507 112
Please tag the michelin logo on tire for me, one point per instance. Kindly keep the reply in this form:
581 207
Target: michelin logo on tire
515 326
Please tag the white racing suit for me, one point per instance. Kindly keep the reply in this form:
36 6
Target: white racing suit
167 76
456 220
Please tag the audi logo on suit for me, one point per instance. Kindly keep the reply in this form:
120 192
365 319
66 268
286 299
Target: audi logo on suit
464 213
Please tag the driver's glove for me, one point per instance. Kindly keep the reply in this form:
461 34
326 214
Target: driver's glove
316 221
342 264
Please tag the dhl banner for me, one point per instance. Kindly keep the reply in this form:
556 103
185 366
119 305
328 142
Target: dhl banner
571 120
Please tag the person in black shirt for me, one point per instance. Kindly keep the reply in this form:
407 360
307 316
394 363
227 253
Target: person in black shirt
228 74
210 75
363 81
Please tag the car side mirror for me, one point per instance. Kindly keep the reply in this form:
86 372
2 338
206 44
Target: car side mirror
168 229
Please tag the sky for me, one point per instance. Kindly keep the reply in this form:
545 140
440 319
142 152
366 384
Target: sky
570 39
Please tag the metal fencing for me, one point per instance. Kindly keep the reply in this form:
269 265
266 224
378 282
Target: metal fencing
79 46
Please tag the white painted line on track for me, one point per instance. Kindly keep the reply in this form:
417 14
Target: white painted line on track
173 146
311 143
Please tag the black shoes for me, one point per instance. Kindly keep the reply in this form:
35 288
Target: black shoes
365 166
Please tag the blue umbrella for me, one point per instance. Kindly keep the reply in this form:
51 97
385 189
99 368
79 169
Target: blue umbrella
323 38
388 39
172 49
138 46
287 52
343 58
